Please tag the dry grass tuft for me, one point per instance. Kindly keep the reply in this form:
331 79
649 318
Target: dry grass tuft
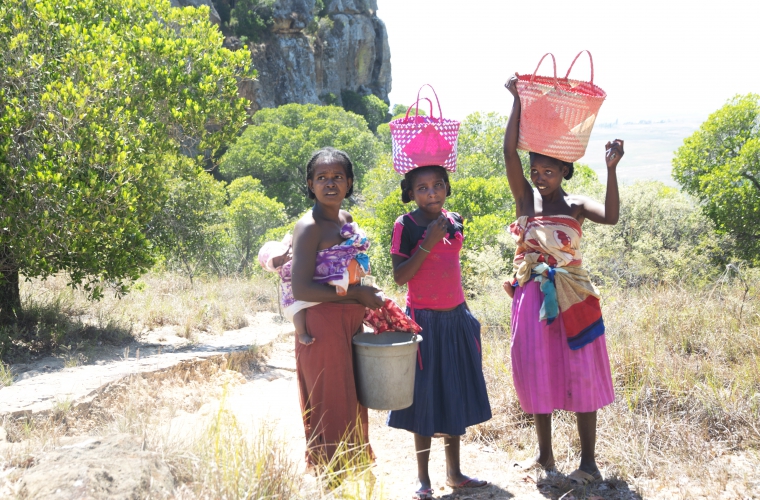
224 462
164 299
6 375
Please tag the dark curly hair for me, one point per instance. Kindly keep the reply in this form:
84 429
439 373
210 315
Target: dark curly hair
329 154
407 184
560 163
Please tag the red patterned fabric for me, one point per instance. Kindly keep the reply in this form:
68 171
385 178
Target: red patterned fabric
558 114
390 318
419 141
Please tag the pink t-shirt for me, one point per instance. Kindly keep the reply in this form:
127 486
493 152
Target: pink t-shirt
438 282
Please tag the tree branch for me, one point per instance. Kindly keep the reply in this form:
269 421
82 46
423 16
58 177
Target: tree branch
752 179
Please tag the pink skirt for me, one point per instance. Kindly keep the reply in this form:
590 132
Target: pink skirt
548 375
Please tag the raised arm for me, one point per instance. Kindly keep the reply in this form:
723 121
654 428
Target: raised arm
306 239
521 189
609 213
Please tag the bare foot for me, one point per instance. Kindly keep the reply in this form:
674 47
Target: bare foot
305 338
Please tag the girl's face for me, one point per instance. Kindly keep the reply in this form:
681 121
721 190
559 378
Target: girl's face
329 183
429 192
546 175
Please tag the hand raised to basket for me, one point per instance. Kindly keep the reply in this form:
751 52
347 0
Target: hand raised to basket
511 85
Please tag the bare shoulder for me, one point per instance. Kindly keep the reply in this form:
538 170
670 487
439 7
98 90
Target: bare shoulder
346 217
306 227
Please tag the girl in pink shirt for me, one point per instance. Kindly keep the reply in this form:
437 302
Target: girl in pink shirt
449 388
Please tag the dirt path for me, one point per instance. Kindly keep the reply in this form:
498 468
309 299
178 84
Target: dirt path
271 398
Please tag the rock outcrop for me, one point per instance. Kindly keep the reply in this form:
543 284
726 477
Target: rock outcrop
312 57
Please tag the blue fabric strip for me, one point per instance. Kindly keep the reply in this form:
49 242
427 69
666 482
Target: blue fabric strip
363 260
588 335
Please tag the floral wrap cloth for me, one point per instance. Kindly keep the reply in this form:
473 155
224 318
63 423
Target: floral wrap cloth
548 251
332 263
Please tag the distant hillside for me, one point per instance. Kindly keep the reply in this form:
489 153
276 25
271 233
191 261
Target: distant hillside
306 51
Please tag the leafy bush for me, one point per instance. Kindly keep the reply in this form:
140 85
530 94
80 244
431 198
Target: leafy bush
480 150
371 107
94 108
251 18
279 142
250 215
662 237
189 230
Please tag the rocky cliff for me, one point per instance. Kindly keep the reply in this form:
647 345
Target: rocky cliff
312 53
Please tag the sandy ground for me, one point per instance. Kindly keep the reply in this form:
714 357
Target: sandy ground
271 398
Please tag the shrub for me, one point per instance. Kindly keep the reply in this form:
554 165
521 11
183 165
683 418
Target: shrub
371 107
249 215
279 142
662 236
251 18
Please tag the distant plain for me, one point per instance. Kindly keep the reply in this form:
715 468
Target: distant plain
649 149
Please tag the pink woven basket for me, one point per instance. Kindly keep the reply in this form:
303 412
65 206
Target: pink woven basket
419 141
558 113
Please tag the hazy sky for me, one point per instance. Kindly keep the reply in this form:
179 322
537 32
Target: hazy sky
664 59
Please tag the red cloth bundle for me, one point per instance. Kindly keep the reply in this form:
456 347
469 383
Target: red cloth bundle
390 318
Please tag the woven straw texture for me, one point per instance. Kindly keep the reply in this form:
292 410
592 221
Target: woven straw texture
419 141
558 114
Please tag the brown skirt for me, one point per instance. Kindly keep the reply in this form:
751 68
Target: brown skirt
333 419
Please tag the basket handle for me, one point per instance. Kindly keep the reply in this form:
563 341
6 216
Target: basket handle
440 111
590 60
554 61
416 105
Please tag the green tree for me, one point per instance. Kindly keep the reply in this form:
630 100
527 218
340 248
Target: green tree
94 110
371 107
189 229
251 18
479 148
279 142
250 215
720 165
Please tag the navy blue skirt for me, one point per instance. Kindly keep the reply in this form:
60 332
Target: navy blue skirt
449 389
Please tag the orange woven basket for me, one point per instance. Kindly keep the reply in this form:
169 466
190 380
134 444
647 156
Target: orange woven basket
558 113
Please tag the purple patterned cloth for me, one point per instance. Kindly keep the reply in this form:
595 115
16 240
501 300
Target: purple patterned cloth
331 262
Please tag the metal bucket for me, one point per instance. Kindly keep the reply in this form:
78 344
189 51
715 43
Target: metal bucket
384 369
